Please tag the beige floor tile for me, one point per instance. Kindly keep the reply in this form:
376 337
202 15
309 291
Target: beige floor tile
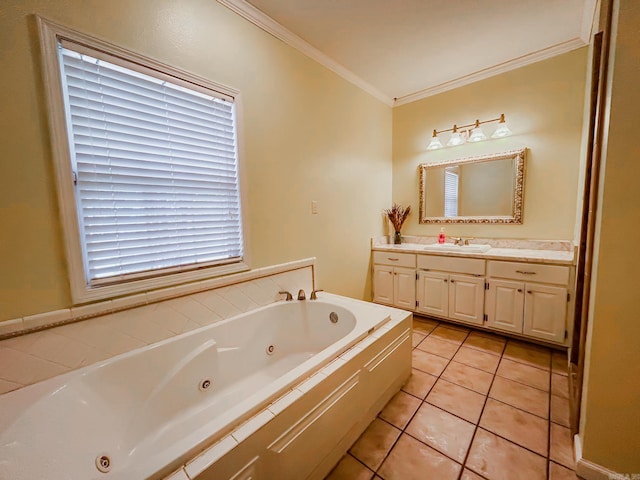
488 344
519 372
469 475
468 377
560 410
413 460
559 363
419 383
439 429
558 472
416 338
350 469
561 450
374 444
400 409
427 362
528 354
560 385
515 425
521 396
438 347
423 325
498 459
475 358
458 400
450 334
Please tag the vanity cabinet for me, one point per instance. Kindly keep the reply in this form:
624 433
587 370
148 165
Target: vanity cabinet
451 287
394 279
529 299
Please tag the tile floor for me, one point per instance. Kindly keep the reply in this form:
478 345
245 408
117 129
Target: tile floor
477 406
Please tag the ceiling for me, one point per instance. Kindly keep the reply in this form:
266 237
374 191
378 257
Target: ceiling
403 50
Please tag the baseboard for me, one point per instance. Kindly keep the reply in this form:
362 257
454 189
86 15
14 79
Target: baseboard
589 470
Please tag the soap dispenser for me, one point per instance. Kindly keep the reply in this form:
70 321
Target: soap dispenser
441 237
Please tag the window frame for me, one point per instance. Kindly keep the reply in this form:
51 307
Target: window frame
50 35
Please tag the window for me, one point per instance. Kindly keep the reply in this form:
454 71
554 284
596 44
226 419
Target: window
153 170
450 193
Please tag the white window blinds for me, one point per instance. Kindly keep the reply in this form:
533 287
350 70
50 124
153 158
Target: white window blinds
450 193
155 167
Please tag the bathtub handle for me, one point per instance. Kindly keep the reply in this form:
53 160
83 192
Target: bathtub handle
288 294
301 295
313 294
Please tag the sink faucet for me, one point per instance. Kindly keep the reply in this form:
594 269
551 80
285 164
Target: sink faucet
288 294
301 295
461 241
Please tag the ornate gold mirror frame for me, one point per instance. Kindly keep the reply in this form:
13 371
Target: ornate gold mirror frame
483 184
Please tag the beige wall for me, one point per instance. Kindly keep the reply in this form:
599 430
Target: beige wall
543 104
308 135
610 428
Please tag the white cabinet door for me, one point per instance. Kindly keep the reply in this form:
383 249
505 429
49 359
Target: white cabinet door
505 305
404 288
383 284
466 298
433 293
545 312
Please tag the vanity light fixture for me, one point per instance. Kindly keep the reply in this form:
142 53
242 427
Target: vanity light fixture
469 133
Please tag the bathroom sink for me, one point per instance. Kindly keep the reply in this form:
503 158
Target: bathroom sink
451 247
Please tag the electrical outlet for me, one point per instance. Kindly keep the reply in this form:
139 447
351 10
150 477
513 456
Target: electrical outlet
314 206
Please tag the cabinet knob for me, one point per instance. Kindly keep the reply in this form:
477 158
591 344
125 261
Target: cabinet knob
520 290
528 291
444 280
452 281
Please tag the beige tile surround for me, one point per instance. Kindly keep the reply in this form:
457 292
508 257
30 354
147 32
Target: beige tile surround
37 356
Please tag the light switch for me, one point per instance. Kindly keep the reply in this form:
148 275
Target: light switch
314 206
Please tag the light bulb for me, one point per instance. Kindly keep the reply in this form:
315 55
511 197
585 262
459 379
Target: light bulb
502 130
477 135
435 142
456 138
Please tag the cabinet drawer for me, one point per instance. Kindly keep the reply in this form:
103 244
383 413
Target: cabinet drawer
471 266
532 272
395 259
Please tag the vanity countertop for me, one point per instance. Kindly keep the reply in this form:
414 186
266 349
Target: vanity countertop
557 257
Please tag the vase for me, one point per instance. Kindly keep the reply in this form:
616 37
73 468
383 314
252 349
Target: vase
397 238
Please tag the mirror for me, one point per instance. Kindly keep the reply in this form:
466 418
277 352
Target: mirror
484 189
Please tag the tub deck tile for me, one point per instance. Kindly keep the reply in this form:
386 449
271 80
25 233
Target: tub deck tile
211 455
248 428
283 402
177 475
311 382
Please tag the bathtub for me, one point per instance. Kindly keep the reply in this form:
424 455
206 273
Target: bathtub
151 411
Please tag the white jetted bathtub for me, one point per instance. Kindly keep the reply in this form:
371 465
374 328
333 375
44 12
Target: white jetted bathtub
181 405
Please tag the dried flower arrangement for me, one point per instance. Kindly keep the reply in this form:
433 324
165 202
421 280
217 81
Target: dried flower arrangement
397 215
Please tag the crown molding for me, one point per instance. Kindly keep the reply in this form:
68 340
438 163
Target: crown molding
537 56
269 25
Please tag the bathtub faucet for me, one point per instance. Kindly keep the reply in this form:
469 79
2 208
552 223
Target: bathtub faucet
301 295
313 294
288 294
